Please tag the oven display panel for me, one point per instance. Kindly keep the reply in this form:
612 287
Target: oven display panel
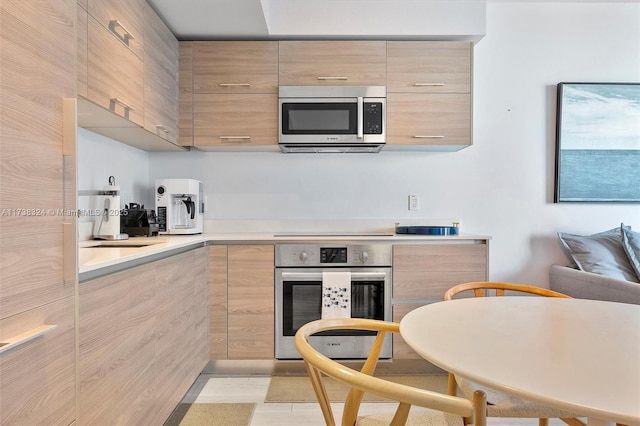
333 255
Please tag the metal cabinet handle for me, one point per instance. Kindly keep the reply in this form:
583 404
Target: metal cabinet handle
114 23
23 338
234 84
333 78
123 103
429 137
162 128
429 84
236 139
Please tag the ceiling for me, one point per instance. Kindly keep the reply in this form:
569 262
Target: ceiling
323 19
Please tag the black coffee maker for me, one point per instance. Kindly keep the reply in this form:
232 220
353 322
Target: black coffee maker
138 221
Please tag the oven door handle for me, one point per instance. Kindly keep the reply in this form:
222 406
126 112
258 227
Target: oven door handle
360 134
318 275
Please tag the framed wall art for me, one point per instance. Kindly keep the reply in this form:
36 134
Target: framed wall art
598 142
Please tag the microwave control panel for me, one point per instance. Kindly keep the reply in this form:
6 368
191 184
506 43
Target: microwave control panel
372 118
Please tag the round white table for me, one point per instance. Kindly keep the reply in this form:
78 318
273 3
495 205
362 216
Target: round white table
577 355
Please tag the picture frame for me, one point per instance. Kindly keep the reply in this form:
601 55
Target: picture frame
597 142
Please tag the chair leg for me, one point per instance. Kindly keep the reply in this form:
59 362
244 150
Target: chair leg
573 422
543 422
452 386
401 416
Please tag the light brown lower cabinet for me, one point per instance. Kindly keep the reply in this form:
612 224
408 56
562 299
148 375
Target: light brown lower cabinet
423 273
242 302
141 342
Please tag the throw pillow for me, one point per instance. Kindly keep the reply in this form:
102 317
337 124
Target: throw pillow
600 253
631 243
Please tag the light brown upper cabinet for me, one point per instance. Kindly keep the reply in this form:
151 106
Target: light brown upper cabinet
429 67
235 120
234 95
429 101
160 78
114 74
352 63
123 19
235 67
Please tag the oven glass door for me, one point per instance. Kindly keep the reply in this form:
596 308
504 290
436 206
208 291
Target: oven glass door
302 300
320 117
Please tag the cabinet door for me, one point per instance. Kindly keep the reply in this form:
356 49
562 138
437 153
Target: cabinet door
174 332
200 275
185 94
38 377
429 119
235 67
218 302
116 367
123 19
160 78
251 302
114 75
235 120
333 63
429 66
36 66
81 69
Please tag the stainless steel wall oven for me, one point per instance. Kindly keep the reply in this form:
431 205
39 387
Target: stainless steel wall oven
299 294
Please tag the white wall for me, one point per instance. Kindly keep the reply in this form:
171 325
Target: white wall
502 186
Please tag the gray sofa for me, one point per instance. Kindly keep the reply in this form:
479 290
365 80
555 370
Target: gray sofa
586 285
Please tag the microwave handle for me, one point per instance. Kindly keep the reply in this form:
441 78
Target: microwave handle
360 117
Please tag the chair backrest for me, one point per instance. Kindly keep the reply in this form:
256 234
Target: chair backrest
481 288
363 381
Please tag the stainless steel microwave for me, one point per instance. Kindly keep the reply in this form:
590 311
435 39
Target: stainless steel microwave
332 118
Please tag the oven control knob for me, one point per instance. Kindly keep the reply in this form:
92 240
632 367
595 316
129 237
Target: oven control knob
304 256
364 256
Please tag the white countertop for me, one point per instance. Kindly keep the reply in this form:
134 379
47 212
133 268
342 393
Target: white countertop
91 259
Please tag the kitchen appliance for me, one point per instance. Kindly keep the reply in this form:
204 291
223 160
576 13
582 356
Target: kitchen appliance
299 271
327 119
179 206
107 224
136 221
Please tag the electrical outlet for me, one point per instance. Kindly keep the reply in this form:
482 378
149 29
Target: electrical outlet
414 202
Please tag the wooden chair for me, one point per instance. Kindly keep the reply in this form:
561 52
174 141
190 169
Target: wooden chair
444 409
501 405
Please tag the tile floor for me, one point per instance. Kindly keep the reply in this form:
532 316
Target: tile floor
209 388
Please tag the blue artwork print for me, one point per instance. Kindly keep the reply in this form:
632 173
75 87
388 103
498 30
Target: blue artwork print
598 142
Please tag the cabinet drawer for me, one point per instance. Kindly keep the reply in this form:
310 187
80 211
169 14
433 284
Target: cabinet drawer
235 120
235 67
115 75
429 285
38 377
333 63
124 21
429 67
428 119
401 350
440 257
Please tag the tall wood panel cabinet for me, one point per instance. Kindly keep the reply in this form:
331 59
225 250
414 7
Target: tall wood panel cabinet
37 57
242 302
429 86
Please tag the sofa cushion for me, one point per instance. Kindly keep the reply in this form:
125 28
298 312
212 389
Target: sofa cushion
631 244
601 253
